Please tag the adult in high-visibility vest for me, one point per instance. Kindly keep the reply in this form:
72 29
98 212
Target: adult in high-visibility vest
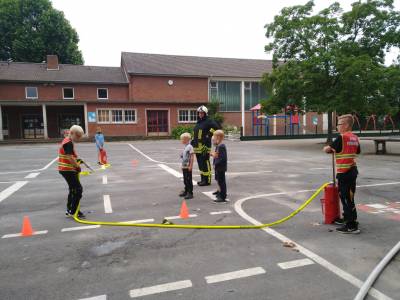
69 168
346 147
201 143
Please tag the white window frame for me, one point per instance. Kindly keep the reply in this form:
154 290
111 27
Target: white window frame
130 122
98 98
188 110
247 87
110 116
26 92
73 93
122 115
97 116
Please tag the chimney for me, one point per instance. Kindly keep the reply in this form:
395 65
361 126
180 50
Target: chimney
52 62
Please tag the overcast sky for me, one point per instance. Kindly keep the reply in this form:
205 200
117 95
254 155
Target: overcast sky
222 28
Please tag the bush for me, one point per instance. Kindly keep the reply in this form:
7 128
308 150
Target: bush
178 130
231 128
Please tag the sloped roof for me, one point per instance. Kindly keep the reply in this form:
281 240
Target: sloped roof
194 66
31 72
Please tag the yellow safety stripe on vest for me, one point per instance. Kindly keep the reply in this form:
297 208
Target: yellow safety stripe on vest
65 156
65 165
200 134
344 166
346 155
212 130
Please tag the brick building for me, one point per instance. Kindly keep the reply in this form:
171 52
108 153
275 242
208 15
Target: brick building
149 94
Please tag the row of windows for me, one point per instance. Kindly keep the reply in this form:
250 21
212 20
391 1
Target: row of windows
116 116
128 116
228 93
31 92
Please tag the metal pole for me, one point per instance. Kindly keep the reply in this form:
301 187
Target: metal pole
334 168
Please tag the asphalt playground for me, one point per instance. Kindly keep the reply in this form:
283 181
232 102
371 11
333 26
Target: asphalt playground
266 180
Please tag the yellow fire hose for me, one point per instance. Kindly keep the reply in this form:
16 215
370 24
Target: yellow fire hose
301 207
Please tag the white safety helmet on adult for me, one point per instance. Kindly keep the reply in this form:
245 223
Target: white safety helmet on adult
202 109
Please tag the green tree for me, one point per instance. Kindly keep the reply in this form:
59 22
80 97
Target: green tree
31 29
333 60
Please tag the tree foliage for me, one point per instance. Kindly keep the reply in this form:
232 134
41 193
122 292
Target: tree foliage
334 60
31 29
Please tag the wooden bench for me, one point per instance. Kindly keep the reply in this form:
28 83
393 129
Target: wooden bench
381 141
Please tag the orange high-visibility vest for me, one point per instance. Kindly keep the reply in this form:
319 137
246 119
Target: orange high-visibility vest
347 158
63 160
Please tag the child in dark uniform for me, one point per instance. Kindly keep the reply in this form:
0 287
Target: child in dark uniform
220 165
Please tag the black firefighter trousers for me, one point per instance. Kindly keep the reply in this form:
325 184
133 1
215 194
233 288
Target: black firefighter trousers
347 189
75 189
203 160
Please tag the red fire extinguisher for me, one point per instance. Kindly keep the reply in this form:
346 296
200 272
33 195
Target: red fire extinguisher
330 202
103 156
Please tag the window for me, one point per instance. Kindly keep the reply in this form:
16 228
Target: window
187 116
130 116
247 85
31 92
68 93
103 116
253 94
116 116
102 94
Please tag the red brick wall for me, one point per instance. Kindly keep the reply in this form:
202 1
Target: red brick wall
156 89
82 92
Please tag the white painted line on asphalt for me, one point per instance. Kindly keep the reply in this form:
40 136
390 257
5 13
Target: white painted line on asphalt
380 184
313 256
107 204
220 212
377 206
49 164
101 297
6 236
11 190
295 263
161 288
325 168
139 221
79 228
32 175
170 170
141 153
105 179
234 275
29 171
178 217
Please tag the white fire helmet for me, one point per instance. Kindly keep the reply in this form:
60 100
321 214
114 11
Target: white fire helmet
202 109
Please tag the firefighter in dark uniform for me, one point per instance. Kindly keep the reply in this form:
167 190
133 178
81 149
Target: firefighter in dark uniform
201 143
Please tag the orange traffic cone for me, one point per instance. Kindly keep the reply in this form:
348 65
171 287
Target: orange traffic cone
26 227
184 211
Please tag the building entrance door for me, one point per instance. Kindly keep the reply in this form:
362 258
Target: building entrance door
32 127
157 123
65 121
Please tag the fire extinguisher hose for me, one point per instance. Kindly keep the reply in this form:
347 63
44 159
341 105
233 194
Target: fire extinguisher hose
182 226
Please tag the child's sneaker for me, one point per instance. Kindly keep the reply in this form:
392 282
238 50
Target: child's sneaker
347 230
188 196
339 221
81 215
68 213
183 194
220 200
